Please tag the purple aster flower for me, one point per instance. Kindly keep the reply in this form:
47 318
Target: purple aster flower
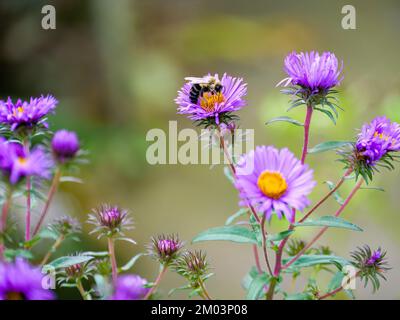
21 281
26 113
209 98
376 256
65 145
16 163
274 180
130 287
312 71
110 220
378 138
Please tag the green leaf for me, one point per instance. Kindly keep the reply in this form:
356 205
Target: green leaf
373 188
336 194
279 236
328 113
67 261
70 179
48 234
248 278
256 286
131 262
227 233
241 212
299 296
329 221
126 239
310 260
329 145
11 254
95 253
336 281
103 286
285 119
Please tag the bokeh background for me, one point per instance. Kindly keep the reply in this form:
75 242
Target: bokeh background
116 66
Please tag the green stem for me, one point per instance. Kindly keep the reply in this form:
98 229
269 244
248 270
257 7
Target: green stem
204 290
53 248
85 295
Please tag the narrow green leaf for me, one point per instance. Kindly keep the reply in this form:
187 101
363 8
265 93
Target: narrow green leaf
238 214
336 194
329 221
279 236
67 261
314 259
328 113
70 179
285 119
227 233
256 287
131 262
336 281
299 296
329 145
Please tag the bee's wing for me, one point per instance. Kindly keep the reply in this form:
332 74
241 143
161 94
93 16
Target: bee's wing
196 80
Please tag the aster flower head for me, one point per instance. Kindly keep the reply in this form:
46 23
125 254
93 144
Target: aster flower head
371 265
374 148
165 248
66 225
27 114
311 79
210 100
192 265
65 145
21 281
110 220
130 287
274 181
16 163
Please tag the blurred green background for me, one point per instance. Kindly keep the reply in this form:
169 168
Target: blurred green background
116 67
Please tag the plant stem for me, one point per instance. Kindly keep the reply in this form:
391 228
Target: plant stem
307 123
271 289
322 231
3 221
84 294
261 222
113 260
28 197
163 269
203 288
50 195
337 290
319 203
53 248
257 258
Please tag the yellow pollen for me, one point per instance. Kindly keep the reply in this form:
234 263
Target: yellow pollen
272 184
209 100
22 160
19 110
381 136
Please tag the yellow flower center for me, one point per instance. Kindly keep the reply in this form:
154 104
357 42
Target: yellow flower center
22 160
381 136
209 100
272 184
19 110
14 296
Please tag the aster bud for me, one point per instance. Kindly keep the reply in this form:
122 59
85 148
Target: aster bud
66 225
65 145
165 248
192 265
371 265
110 220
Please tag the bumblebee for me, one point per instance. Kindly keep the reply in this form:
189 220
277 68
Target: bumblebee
202 85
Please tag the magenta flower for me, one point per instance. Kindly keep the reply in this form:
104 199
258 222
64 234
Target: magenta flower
165 248
16 163
130 287
209 98
378 138
312 71
274 180
65 145
26 113
21 281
